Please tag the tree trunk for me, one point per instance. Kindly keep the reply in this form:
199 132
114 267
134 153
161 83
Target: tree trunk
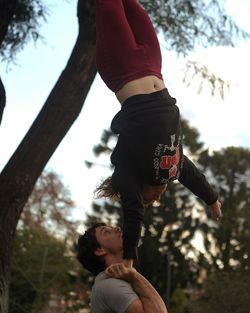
56 117
2 99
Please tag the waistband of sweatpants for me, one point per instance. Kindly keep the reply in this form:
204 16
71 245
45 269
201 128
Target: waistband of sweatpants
156 95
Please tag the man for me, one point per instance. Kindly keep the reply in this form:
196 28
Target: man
117 288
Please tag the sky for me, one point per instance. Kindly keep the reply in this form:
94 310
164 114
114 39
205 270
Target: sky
29 81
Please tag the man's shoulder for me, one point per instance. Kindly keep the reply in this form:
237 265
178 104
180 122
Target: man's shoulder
100 281
108 287
103 282
111 294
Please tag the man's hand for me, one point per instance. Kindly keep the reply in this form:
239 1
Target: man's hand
216 210
120 271
128 262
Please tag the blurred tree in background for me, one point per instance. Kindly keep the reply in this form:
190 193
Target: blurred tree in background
188 24
40 268
228 244
45 272
50 207
224 292
20 23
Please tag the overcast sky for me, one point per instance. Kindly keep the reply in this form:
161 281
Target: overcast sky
221 123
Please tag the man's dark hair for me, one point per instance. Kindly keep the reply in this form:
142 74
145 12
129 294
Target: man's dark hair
86 247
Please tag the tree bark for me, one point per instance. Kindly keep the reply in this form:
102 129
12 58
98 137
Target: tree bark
52 123
2 99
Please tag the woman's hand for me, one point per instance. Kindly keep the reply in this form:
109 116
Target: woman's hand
216 210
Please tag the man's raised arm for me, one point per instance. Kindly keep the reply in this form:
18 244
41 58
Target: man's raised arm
149 299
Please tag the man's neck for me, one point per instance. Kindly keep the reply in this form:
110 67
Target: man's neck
111 259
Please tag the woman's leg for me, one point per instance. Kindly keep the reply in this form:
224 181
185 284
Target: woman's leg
126 43
142 28
114 39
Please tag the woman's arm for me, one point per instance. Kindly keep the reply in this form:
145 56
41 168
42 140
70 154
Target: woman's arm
196 182
132 209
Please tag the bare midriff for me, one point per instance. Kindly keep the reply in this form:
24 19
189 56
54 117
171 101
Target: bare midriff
144 85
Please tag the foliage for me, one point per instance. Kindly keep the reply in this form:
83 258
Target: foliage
227 244
186 24
224 292
205 77
179 301
44 265
24 26
191 140
49 206
40 267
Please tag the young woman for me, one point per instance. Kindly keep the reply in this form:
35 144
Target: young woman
148 154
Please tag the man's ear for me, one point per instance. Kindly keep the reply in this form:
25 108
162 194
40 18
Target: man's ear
100 251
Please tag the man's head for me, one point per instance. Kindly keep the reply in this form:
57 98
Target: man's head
99 247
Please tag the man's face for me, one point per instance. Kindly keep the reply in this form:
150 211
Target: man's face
110 239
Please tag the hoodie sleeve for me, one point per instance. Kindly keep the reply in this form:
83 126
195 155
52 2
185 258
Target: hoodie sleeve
133 211
196 182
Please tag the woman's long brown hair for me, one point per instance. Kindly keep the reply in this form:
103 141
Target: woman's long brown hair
106 190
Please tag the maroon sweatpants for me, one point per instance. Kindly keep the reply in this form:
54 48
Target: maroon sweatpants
127 47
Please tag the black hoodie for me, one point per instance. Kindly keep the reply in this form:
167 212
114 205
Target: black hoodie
149 151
